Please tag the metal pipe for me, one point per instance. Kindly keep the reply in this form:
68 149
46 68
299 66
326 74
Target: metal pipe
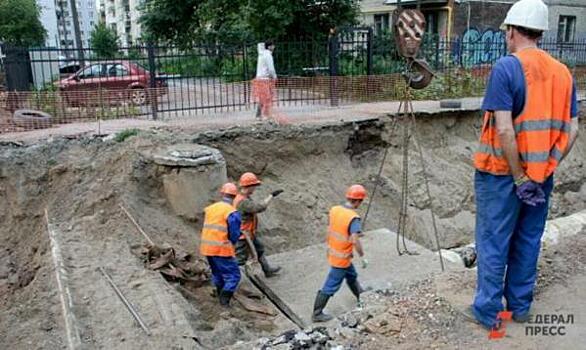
126 302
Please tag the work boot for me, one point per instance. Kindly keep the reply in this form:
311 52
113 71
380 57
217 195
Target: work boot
318 307
225 297
268 270
356 289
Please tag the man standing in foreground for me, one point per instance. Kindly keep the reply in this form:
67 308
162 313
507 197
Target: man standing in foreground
344 233
529 126
221 229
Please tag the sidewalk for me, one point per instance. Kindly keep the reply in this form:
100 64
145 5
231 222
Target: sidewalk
295 115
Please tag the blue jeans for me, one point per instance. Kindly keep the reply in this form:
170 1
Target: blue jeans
508 240
335 278
225 272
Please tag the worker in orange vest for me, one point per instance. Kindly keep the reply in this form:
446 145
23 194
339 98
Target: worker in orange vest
221 230
249 209
529 126
343 238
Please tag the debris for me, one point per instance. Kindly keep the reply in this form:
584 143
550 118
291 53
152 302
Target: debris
349 320
254 306
176 266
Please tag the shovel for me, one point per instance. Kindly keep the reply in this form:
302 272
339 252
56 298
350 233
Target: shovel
252 266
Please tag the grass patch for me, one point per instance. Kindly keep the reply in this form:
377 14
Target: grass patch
124 134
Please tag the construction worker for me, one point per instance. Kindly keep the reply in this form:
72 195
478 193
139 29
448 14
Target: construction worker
343 237
221 230
249 210
529 126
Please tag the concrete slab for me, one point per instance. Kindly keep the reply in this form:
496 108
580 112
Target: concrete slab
305 270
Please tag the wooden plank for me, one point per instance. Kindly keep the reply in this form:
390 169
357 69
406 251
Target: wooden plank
274 298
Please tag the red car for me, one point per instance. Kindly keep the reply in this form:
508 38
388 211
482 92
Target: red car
110 82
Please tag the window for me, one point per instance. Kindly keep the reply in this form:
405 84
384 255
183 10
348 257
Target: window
93 71
116 70
566 28
381 23
431 22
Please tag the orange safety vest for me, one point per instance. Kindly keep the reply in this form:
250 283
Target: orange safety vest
339 245
214 235
542 129
248 225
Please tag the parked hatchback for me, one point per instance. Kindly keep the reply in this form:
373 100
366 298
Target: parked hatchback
109 83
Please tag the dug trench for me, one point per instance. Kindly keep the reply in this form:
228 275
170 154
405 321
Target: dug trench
81 182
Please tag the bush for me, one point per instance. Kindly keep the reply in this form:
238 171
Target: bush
124 134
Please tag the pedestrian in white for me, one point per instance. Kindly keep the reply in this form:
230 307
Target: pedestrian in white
264 83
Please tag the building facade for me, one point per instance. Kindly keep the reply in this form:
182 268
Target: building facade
87 17
460 18
123 17
49 21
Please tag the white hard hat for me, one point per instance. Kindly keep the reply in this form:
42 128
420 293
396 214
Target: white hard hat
530 14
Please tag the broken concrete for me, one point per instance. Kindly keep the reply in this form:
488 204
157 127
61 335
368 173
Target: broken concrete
192 176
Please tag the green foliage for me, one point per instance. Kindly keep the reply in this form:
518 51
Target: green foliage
20 24
124 134
104 41
454 83
184 22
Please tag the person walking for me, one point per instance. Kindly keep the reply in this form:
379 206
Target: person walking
343 238
221 230
529 126
263 86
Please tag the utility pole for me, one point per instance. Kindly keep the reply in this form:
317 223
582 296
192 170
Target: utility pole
77 32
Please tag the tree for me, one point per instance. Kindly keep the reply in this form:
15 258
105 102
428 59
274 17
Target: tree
104 41
20 24
186 21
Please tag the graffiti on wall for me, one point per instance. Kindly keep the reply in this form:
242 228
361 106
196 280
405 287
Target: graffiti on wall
475 48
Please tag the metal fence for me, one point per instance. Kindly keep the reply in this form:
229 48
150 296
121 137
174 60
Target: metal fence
157 81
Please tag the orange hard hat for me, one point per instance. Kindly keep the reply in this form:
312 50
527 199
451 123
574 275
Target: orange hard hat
356 192
229 188
248 179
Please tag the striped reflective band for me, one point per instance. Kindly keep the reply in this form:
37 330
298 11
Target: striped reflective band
533 157
484 148
216 243
538 125
340 237
216 227
337 254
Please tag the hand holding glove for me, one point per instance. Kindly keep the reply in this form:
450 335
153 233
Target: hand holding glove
363 263
530 192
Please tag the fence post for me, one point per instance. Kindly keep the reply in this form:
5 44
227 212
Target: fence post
369 51
153 79
245 72
333 48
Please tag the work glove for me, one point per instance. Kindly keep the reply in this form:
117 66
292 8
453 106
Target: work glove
363 263
529 192
276 193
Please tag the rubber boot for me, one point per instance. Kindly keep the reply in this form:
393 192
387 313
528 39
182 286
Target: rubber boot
318 307
258 115
357 289
225 297
267 269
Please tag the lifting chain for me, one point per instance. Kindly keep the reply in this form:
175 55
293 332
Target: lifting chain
409 29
